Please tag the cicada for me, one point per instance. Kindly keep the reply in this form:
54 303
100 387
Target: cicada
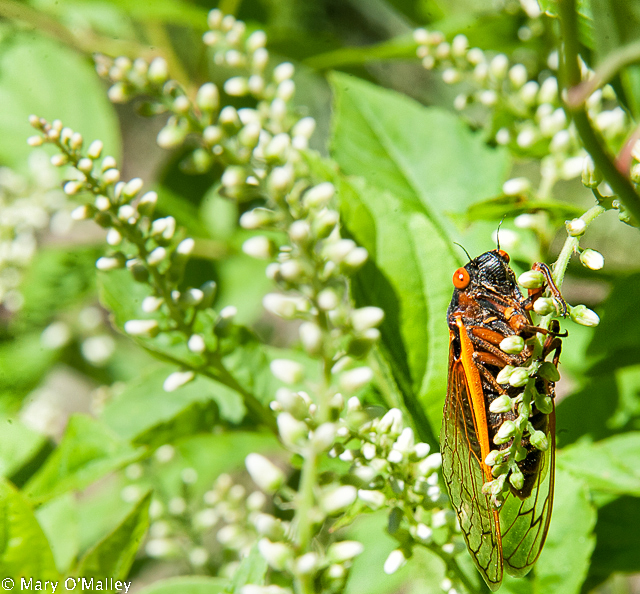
487 307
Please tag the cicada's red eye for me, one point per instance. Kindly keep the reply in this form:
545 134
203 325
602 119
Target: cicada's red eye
504 255
461 278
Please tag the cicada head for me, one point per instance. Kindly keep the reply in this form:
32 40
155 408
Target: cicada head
490 270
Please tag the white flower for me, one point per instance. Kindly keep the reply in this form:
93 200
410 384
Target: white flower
177 380
391 422
146 328
516 186
109 263
276 554
424 532
185 247
291 430
583 315
196 344
395 561
374 499
338 499
592 259
366 317
342 551
354 379
323 437
264 473
283 71
287 371
55 335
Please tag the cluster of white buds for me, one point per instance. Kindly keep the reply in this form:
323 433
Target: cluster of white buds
152 249
396 472
525 107
525 387
249 138
30 207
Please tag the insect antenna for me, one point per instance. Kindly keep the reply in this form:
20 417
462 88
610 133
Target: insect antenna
464 249
498 232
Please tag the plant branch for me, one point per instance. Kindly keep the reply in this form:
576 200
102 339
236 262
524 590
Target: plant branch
591 140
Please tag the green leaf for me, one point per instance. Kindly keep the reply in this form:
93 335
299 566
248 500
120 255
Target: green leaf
512 206
192 584
24 549
420 164
59 520
18 445
615 340
617 544
87 452
411 284
564 561
421 155
252 570
40 76
112 556
57 279
23 363
211 455
146 414
609 465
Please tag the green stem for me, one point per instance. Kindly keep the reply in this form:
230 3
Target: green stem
571 244
591 140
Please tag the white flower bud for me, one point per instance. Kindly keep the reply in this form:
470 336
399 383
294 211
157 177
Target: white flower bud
405 442
283 71
145 328
366 317
281 179
368 451
345 550
300 231
516 186
338 250
518 75
111 176
256 40
185 247
258 247
531 279
451 76
374 499
126 212
355 379
323 437
576 227
113 237
560 142
395 561
35 141
529 92
72 187
501 404
236 86
132 187
591 176
328 299
156 256
95 149
507 430
292 271
276 554
311 337
459 45
264 473
286 90
85 165
158 71
304 127
424 533
548 90
430 464
152 303
519 377
196 344
488 98
338 499
287 371
583 315
107 263
281 305
292 431
421 450
81 213
499 66
512 344
592 259
544 306
504 374
177 380
319 196
391 422
539 441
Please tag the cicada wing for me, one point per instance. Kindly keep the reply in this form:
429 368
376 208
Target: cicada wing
463 474
524 523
